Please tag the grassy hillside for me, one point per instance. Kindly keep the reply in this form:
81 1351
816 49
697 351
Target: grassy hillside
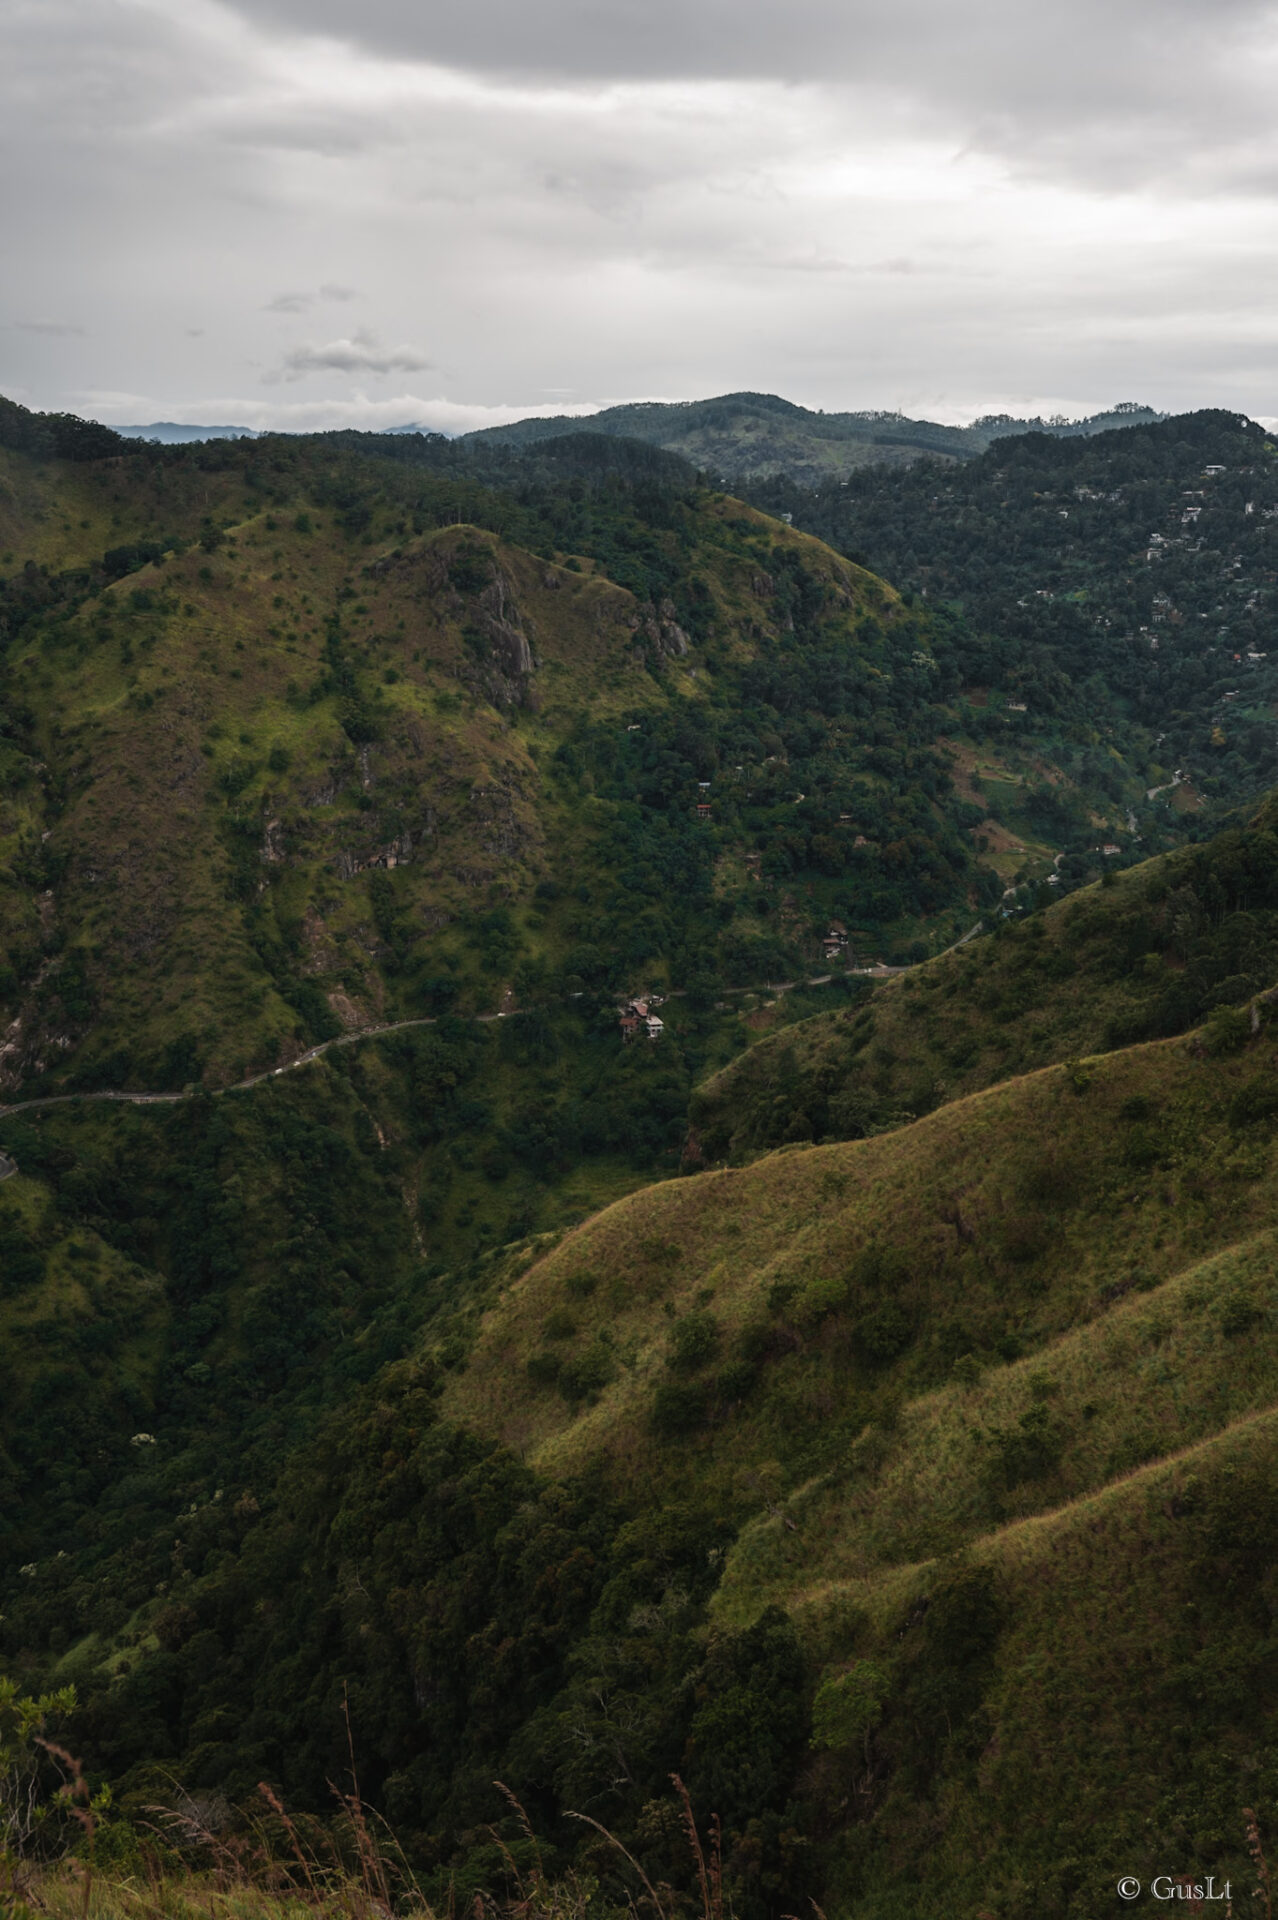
1153 951
757 436
857 1272
996 1389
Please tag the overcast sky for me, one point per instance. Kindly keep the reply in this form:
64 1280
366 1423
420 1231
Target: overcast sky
310 212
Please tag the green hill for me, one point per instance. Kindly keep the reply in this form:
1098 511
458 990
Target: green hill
758 436
995 1387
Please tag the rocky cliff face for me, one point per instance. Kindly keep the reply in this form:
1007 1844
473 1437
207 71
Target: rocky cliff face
500 645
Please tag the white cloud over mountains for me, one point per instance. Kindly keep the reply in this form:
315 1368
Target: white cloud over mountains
941 206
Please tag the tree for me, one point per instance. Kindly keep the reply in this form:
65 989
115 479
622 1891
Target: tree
29 1803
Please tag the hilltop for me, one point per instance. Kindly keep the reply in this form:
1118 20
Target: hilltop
749 437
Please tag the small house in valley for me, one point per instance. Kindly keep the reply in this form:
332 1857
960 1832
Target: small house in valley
639 1015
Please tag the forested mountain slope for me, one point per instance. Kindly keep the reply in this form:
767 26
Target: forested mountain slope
1137 569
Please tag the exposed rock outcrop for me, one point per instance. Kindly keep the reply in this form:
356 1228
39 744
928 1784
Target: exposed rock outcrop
499 645
659 633
349 861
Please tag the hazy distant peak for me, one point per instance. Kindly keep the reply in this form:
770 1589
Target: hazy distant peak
176 433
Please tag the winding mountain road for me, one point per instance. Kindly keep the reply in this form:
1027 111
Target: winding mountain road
237 1086
9 1166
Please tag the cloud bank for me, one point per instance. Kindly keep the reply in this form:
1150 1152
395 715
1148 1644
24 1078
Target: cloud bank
948 208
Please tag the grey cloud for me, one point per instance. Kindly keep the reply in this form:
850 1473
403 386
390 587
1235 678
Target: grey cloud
1095 48
1108 89
302 302
58 329
360 354
333 132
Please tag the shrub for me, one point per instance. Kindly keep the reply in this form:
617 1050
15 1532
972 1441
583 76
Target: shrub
884 1334
878 1270
780 1295
1254 1103
736 1381
755 1342
1228 1030
1028 1451
695 1340
543 1369
21 1262
30 1812
848 1706
822 1297
679 1406
1142 1150
587 1374
559 1325
1238 1313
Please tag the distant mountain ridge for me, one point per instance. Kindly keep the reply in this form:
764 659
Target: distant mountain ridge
757 436
744 436
176 433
